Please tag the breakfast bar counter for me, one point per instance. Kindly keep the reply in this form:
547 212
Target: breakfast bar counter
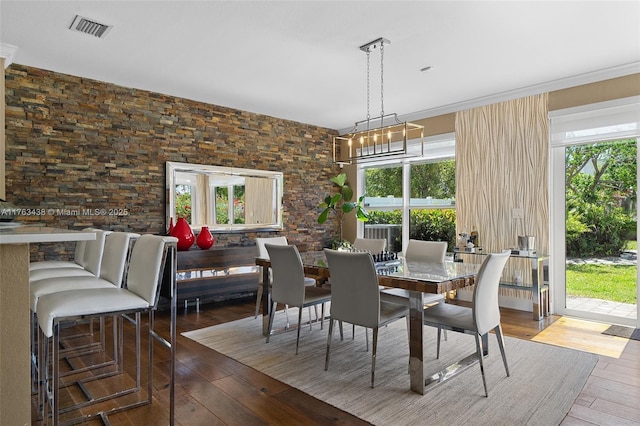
15 382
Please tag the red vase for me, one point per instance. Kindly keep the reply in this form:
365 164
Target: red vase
170 230
182 231
205 239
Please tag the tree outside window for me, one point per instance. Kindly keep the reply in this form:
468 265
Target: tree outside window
431 208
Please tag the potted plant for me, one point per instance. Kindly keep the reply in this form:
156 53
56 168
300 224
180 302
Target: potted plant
340 203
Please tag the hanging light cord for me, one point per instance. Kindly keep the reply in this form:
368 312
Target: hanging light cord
381 82
368 95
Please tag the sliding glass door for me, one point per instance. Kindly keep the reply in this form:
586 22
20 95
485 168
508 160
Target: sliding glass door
594 178
600 236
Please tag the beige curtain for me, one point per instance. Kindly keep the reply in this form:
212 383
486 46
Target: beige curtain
201 211
259 207
502 164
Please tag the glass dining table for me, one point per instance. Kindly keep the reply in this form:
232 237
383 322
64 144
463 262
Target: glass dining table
417 278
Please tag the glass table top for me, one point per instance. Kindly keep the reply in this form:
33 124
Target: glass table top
419 271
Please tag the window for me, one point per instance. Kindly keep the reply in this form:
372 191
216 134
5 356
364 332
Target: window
412 198
229 204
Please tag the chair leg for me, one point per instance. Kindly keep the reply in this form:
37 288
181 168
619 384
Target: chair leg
286 315
151 331
55 356
138 381
326 357
445 331
258 299
43 358
117 323
373 355
498 331
366 337
322 317
299 327
479 353
34 351
271 315
438 343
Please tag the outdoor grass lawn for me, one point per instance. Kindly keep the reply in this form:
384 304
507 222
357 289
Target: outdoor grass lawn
608 282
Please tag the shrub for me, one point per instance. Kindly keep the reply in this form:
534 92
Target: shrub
427 224
597 229
434 225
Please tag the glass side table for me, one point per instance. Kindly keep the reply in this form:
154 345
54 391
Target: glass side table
519 280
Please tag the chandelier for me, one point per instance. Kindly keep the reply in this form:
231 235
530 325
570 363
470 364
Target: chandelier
381 136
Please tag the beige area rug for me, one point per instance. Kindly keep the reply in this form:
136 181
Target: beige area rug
545 380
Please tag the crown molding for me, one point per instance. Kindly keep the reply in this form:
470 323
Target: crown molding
536 89
7 51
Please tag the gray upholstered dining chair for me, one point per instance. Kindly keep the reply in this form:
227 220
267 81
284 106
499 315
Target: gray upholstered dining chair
263 254
419 251
426 251
289 286
482 317
355 298
372 245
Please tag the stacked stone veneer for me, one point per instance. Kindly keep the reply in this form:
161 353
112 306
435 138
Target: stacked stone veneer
76 145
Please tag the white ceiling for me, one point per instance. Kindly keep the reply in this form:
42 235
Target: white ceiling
301 60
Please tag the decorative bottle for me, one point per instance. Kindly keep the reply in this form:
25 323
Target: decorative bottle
473 237
205 239
182 231
170 226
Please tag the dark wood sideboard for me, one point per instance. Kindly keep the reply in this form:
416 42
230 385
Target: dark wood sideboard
217 274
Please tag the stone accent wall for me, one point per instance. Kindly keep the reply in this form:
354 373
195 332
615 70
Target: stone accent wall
75 145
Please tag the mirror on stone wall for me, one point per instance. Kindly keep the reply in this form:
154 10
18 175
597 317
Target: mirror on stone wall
225 199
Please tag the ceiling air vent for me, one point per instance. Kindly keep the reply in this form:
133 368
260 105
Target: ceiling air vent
89 26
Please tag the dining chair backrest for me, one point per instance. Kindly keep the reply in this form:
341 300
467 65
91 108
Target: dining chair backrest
77 262
260 242
288 274
263 254
146 266
93 251
355 295
426 251
372 245
486 311
81 246
78 254
117 249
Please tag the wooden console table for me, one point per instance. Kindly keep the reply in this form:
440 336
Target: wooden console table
217 274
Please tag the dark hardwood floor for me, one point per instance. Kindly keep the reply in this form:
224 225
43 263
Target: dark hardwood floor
212 389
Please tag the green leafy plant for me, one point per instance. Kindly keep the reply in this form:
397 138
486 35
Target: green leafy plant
600 200
340 203
425 224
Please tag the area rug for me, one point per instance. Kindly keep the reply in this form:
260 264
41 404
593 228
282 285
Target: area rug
545 380
622 331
